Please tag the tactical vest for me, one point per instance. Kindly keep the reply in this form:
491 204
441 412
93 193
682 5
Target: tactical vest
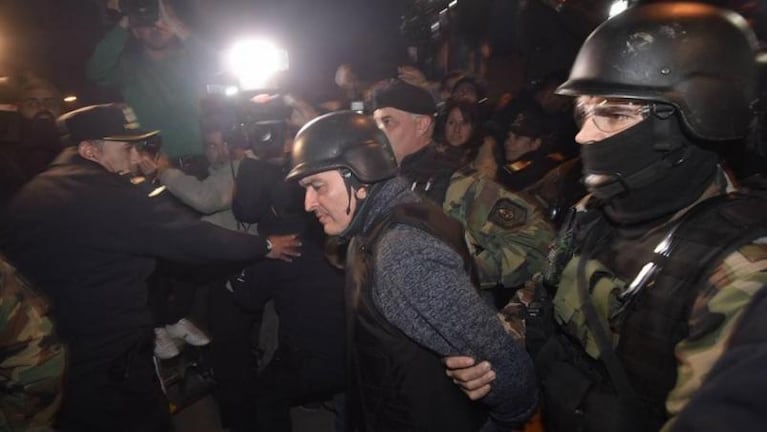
396 384
628 393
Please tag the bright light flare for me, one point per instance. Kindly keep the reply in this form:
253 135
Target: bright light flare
254 62
617 7
70 99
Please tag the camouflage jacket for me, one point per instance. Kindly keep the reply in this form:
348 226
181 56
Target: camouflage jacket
714 317
32 360
507 235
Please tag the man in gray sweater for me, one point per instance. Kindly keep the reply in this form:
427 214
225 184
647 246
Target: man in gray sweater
410 295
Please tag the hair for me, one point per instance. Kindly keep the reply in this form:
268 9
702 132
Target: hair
477 84
470 113
29 83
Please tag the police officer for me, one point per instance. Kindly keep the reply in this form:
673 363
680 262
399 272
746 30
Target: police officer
658 278
410 299
88 236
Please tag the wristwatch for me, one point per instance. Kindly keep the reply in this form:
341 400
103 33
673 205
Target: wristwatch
268 245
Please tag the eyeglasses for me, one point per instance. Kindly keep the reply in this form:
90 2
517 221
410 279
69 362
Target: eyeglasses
611 116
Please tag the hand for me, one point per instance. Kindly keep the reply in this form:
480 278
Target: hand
169 21
284 247
474 380
302 112
345 77
412 75
153 166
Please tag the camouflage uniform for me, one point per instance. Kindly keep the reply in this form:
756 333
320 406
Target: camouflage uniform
33 360
714 317
507 235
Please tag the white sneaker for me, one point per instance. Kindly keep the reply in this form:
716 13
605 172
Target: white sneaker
188 332
164 347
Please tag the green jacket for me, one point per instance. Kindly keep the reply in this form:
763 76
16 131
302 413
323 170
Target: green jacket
164 94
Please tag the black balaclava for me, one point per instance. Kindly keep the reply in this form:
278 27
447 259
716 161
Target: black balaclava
646 172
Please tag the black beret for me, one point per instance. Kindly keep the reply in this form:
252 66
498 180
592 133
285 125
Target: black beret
403 96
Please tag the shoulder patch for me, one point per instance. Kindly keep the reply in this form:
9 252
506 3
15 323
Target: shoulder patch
754 252
507 214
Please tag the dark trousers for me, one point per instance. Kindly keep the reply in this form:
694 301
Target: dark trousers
171 293
232 356
309 363
290 379
123 396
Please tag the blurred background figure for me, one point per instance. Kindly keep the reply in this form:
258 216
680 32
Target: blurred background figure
30 139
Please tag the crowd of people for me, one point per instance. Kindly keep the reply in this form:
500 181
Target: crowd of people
576 254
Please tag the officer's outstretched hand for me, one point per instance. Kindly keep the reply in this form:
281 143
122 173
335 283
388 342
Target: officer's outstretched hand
474 379
284 247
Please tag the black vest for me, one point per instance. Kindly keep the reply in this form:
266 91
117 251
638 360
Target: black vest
395 383
654 322
658 318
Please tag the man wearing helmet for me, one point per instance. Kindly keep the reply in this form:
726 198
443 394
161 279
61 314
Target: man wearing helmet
410 296
658 277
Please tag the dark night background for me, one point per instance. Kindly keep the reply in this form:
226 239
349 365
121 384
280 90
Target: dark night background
53 38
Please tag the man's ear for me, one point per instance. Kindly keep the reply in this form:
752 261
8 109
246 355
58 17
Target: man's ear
362 192
88 150
423 124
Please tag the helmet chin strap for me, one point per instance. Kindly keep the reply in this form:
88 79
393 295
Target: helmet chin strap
348 180
352 184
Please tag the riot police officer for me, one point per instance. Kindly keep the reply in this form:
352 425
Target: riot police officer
657 277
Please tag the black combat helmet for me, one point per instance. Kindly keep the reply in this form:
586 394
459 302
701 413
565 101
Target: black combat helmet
696 57
343 140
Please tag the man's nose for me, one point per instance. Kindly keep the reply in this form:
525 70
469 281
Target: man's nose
589 133
310 199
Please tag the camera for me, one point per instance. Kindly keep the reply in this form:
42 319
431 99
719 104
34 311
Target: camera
141 13
262 122
253 113
150 146
251 122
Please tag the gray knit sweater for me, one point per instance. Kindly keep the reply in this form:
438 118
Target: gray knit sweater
420 287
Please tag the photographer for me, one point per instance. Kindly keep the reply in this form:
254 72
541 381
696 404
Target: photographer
308 294
161 70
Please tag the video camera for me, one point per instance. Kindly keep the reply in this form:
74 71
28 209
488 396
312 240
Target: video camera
141 13
252 122
253 111
150 146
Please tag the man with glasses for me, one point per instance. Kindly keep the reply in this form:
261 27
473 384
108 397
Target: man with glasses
88 235
658 276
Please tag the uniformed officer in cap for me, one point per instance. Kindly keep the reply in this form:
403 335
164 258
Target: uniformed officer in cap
88 237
